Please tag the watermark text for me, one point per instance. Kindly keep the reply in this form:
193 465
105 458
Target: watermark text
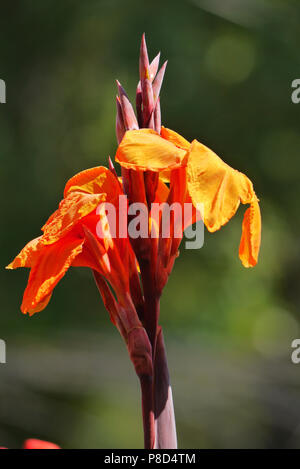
2 351
2 92
161 220
295 96
295 356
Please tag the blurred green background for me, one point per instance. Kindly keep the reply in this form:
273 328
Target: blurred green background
228 330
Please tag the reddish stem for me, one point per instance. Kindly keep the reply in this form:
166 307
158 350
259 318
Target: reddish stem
152 303
148 411
150 322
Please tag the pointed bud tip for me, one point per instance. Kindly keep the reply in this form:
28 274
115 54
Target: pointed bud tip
143 43
121 90
111 166
144 60
110 163
154 66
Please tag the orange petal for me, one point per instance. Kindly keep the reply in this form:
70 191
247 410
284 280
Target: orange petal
162 192
161 196
27 256
144 150
110 264
220 189
175 138
49 267
251 235
71 210
165 175
86 259
94 181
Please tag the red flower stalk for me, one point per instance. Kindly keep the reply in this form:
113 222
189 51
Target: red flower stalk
159 167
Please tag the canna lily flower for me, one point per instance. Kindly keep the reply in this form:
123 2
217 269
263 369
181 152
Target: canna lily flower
157 165
70 239
209 181
79 234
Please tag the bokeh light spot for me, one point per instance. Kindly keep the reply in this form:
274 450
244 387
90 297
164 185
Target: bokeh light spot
230 59
274 332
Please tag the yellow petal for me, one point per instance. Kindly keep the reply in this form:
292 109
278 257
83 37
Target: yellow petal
178 141
144 150
174 138
220 189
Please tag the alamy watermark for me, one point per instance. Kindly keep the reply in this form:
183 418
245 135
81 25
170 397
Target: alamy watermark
2 351
295 96
295 356
167 220
2 92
